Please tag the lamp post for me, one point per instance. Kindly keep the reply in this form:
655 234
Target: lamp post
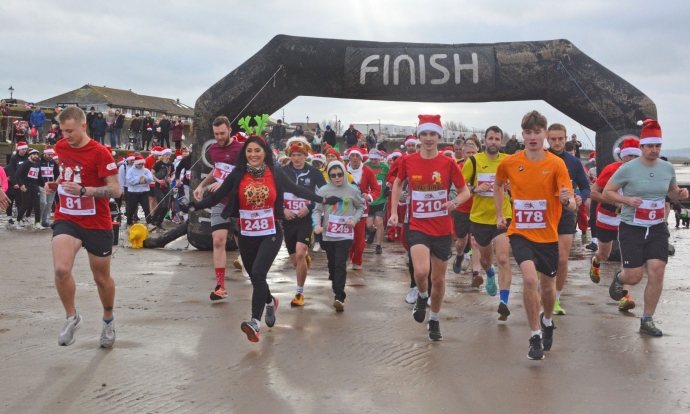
336 124
11 89
307 123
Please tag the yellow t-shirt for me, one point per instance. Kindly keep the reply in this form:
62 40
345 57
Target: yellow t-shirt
483 207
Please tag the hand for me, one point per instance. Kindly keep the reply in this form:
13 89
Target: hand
331 200
634 202
318 229
16 186
23 188
684 193
506 187
213 187
142 180
4 200
501 222
485 187
188 208
50 187
179 182
564 194
578 201
302 212
393 219
198 192
449 205
289 215
351 224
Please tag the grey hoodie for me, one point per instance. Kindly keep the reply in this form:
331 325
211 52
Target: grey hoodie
351 206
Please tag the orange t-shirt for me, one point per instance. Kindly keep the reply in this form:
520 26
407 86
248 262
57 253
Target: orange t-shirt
535 187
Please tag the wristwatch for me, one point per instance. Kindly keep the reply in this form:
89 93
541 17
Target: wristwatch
455 201
566 204
82 191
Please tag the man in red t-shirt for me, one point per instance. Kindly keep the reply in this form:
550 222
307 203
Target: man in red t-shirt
88 179
430 238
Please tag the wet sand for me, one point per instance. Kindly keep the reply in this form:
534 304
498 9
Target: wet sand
176 351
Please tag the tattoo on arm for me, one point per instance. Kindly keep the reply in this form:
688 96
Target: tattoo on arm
110 190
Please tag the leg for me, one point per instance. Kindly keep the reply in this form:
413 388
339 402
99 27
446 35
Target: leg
486 254
358 244
438 279
530 295
655 284
219 257
419 255
340 255
65 248
329 248
45 211
502 246
300 262
378 221
565 242
100 267
266 253
42 202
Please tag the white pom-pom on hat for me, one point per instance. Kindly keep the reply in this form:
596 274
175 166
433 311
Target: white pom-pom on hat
640 123
617 150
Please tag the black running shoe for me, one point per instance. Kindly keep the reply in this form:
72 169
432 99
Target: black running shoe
503 311
419 311
434 331
379 250
616 288
371 237
592 246
536 349
547 332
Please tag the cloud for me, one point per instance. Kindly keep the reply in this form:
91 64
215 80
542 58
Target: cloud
178 49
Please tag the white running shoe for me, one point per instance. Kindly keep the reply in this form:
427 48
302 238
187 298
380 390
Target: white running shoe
466 263
108 334
317 247
412 295
66 337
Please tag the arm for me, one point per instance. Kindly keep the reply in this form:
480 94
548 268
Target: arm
316 214
20 174
597 195
499 196
221 192
675 192
293 188
358 202
582 182
395 197
111 189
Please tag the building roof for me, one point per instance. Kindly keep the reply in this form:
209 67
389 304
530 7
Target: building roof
119 98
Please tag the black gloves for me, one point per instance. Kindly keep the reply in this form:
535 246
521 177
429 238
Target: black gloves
186 206
331 200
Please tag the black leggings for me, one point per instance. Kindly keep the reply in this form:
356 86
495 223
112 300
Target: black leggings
337 252
30 198
135 199
163 203
258 254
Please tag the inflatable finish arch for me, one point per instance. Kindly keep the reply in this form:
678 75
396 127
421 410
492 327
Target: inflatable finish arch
420 72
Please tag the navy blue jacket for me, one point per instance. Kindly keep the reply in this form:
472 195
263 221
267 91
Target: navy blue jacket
99 125
576 172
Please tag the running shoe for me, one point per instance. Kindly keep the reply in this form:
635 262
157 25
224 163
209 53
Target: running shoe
503 311
160 229
66 337
457 264
491 287
379 250
466 263
557 309
308 259
356 267
477 279
219 293
18 225
616 288
317 247
371 237
298 300
536 349
648 327
238 263
434 331
594 272
592 246
37 226
419 311
270 317
412 295
10 221
251 329
151 227
108 334
338 305
547 331
626 303
389 240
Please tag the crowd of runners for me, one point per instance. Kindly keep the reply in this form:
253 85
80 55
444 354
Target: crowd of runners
475 201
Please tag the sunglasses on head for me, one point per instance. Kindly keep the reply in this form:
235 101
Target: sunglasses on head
336 175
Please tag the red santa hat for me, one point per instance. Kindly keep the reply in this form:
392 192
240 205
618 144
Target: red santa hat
120 160
55 157
631 146
22 145
139 160
165 151
240 137
356 150
410 139
319 157
130 157
334 152
592 154
651 132
430 123
48 150
448 151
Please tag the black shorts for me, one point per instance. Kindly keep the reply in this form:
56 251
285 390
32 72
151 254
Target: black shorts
152 192
377 211
297 230
439 246
638 246
544 255
568 223
461 223
606 236
485 233
97 242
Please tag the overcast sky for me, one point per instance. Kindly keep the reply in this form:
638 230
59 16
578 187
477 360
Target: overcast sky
178 49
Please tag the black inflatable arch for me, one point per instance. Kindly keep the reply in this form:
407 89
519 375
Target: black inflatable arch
420 72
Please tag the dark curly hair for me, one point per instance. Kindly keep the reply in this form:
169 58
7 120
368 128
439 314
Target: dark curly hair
242 159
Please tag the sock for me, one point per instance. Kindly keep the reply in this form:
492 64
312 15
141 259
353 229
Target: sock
220 277
538 333
108 320
423 295
646 317
257 323
433 316
300 290
595 264
475 274
467 256
595 240
625 293
272 302
73 316
378 245
547 322
504 295
490 272
558 295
